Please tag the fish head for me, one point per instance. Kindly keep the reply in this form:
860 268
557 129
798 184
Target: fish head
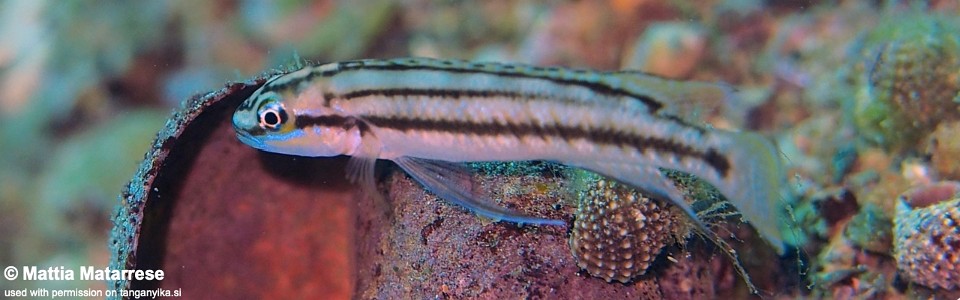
292 120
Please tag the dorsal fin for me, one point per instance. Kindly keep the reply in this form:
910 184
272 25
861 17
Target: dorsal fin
693 101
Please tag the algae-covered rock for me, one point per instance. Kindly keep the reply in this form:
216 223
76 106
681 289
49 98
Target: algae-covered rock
912 79
669 49
943 146
87 169
870 229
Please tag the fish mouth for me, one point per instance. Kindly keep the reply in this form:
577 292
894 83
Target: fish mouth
248 139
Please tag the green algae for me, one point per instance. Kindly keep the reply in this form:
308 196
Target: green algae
870 229
911 81
87 169
517 168
347 30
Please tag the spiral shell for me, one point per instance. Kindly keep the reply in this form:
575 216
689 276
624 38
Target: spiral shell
618 232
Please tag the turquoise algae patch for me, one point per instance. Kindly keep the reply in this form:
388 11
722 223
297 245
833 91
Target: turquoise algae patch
912 81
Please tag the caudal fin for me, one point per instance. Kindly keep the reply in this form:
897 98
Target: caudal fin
755 184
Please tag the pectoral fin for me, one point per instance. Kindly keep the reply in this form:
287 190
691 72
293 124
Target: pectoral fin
361 167
360 171
451 182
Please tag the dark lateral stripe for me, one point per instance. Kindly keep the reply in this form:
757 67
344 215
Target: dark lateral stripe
600 88
479 68
453 94
346 123
446 93
604 137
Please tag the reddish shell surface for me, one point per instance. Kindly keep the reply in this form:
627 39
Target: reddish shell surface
927 239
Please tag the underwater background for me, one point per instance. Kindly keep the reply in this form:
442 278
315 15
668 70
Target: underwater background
862 98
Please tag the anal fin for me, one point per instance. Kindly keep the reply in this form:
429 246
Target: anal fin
651 181
447 181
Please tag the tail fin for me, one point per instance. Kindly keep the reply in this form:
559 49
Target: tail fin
755 184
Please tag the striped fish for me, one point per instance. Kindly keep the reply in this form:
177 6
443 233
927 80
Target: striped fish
429 115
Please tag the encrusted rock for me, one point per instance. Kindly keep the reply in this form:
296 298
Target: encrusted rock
670 49
913 83
927 235
618 232
870 229
943 146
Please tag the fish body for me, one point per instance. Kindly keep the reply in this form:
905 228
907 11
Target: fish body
427 115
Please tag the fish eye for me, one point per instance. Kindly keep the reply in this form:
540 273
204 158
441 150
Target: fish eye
272 115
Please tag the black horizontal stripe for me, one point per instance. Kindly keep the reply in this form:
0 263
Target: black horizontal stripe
599 136
459 94
597 87
445 93
303 121
711 156
347 123
521 71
